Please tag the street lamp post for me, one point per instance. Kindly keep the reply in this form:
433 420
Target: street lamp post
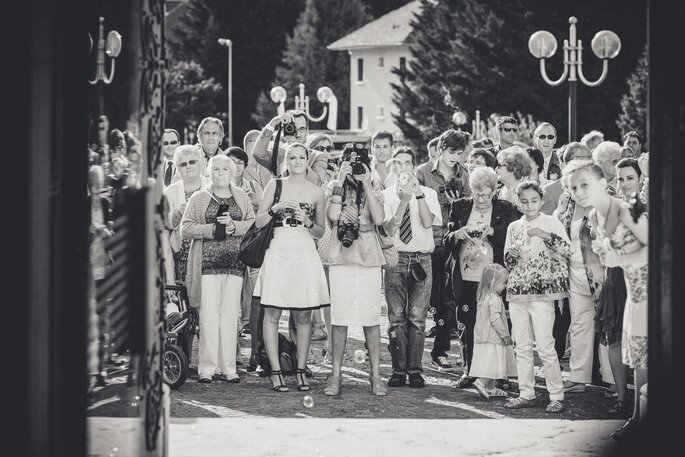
542 45
324 94
229 44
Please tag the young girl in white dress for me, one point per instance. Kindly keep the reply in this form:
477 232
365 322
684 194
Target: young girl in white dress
493 353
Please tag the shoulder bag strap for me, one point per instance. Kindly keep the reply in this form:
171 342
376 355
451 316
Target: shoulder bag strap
277 192
274 153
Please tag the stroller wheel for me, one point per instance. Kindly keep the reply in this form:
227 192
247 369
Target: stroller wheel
175 366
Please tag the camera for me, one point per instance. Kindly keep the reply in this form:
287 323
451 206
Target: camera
348 232
450 186
289 218
289 129
358 156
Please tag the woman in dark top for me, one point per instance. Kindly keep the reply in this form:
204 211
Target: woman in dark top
215 219
475 238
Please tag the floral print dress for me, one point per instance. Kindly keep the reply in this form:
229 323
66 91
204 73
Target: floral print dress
540 272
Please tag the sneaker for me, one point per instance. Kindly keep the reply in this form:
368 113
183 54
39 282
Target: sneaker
495 392
440 362
519 402
482 391
416 380
397 380
464 382
573 387
555 406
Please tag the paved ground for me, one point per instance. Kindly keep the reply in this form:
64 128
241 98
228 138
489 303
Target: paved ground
439 417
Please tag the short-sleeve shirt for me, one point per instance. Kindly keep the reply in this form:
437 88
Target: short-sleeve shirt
422 238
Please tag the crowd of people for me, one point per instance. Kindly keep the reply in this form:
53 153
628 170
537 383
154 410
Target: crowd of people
511 246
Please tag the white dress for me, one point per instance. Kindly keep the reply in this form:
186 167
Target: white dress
292 276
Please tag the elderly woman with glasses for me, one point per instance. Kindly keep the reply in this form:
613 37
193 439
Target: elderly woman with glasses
215 219
475 238
513 165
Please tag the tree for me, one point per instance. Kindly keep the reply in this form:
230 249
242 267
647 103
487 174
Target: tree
258 29
633 115
378 8
306 59
190 96
473 54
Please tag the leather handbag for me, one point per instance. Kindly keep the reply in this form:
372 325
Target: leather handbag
256 240
392 257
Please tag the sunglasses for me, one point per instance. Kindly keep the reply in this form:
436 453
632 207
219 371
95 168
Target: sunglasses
324 148
510 129
547 137
185 164
167 143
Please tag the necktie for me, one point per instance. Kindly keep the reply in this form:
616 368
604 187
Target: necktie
405 227
168 174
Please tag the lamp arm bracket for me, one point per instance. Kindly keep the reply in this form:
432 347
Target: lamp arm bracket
108 80
602 77
320 118
561 79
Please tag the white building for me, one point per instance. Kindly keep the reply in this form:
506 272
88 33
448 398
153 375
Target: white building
375 49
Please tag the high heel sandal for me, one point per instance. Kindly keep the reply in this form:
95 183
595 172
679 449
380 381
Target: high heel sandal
300 376
281 387
377 387
619 408
333 386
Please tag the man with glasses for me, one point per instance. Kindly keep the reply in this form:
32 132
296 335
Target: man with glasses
170 141
507 128
544 138
448 177
262 150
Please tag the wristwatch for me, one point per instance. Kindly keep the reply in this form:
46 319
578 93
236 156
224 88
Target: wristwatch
271 213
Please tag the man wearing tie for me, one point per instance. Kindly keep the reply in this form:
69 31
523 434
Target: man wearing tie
170 141
411 210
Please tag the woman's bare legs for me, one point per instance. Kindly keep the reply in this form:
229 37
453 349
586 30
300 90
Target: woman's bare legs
270 334
618 370
303 324
372 334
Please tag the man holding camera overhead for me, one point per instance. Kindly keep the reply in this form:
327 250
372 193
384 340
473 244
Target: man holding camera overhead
449 178
411 210
294 127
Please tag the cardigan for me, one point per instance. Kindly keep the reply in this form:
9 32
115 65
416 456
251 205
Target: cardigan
503 214
491 321
175 195
194 226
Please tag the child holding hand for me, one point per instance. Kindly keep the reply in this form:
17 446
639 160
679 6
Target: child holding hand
493 354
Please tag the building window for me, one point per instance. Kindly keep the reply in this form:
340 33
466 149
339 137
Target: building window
403 63
360 117
360 69
380 62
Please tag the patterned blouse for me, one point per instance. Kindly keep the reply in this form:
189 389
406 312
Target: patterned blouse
221 256
540 272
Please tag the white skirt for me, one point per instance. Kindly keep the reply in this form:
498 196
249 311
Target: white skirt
292 276
355 295
493 361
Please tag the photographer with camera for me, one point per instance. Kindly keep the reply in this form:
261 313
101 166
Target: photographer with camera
355 262
449 178
293 127
410 212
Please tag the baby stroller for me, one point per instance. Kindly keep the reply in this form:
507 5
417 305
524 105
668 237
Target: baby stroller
180 319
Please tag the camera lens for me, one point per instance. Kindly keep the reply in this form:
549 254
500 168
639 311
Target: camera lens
358 169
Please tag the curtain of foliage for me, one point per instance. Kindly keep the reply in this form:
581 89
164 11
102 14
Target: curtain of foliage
633 115
306 59
190 96
258 29
475 52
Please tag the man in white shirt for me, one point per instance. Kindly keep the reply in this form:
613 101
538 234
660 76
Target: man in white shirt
381 148
411 211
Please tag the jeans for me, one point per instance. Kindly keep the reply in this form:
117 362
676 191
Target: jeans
466 314
408 301
442 300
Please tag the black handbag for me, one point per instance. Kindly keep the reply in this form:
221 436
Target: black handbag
256 240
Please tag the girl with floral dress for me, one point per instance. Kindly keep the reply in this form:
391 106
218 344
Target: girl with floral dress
536 252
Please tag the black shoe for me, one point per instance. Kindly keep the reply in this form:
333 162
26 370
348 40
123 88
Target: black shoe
397 380
503 384
440 361
416 380
245 330
205 381
432 332
252 365
464 382
100 381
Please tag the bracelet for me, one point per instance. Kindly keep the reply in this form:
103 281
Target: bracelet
269 128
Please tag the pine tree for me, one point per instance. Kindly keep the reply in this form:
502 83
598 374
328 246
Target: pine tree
633 115
190 96
258 29
306 59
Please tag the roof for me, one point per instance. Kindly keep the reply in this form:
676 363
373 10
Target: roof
391 29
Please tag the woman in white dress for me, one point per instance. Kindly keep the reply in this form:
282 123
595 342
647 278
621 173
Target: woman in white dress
292 277
355 269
